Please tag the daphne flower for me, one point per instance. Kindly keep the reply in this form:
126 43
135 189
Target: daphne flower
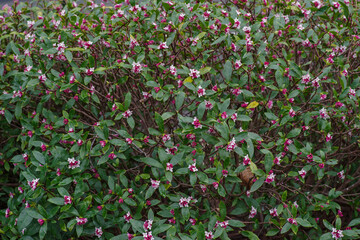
273 212
337 234
246 160
67 200
224 115
271 177
252 212
169 167
155 183
128 140
127 217
148 236
166 137
148 225
163 46
173 70
81 221
292 221
194 73
90 71
324 114
215 185
98 232
73 163
137 68
352 92
209 235
302 173
328 137
231 146
341 174
196 123
33 183
184 202
277 160
127 114
200 91
193 168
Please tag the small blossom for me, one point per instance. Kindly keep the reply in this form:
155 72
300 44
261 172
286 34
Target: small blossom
231 146
271 177
73 163
128 140
98 232
169 167
252 212
324 114
81 221
33 183
292 221
127 217
208 105
197 123
292 113
148 236
127 114
337 234
302 173
137 68
148 225
184 202
277 160
155 183
193 168
215 185
201 91
341 174
67 200
209 235
328 137
273 212
246 160
194 73
163 46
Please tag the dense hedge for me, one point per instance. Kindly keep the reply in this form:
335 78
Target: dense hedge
180 120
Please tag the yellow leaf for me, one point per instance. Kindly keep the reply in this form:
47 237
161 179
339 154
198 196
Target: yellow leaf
253 105
188 79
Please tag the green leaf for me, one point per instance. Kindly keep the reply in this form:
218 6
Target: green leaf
250 235
303 222
131 122
127 100
38 156
185 212
18 110
244 118
24 219
152 162
227 72
69 56
354 222
236 223
257 184
159 121
162 228
219 40
326 236
118 142
327 224
79 230
34 214
43 230
272 232
222 209
285 228
221 190
179 100
205 70
57 200
293 133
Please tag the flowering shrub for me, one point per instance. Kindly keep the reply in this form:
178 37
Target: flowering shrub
180 120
